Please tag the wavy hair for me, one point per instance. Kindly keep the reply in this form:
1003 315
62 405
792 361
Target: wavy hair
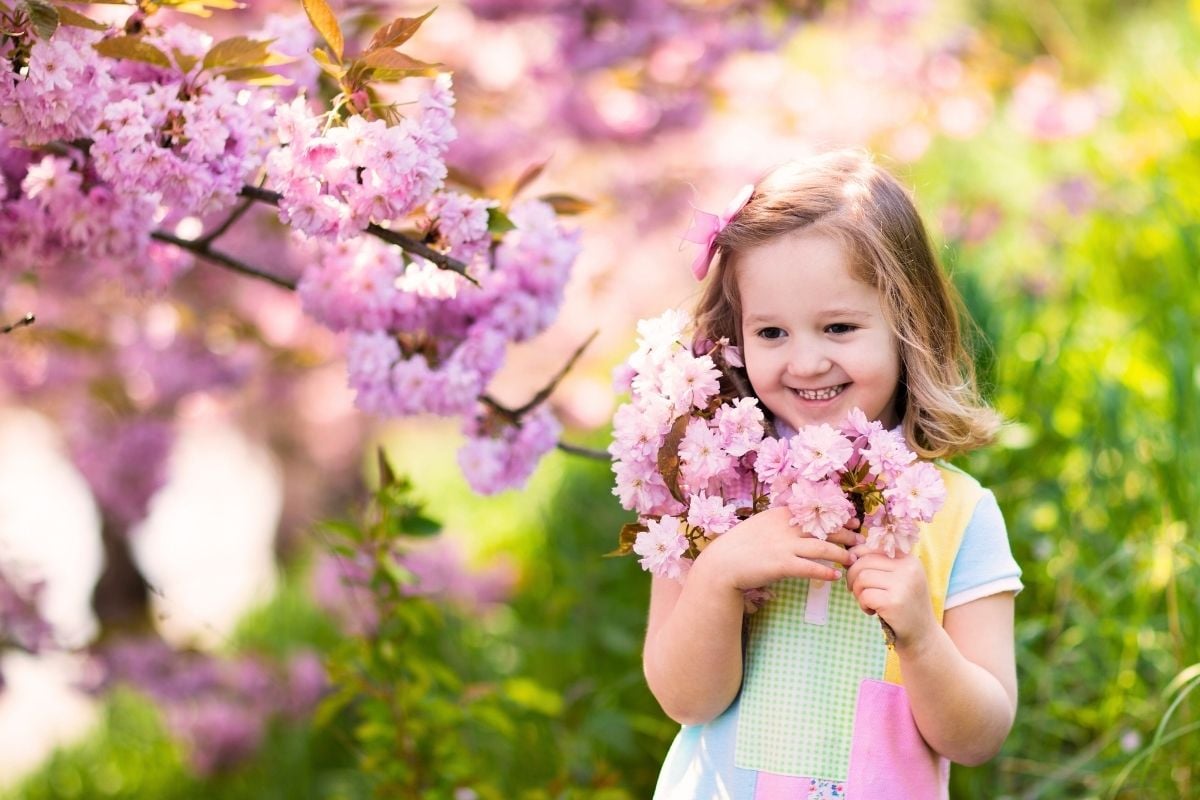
844 194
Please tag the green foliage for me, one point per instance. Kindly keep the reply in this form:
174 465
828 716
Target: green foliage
1094 325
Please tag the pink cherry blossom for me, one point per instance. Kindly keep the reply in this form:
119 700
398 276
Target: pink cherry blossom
820 451
712 514
917 493
819 507
661 548
701 454
740 424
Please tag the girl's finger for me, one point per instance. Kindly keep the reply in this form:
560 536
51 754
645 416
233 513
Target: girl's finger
844 537
815 548
807 568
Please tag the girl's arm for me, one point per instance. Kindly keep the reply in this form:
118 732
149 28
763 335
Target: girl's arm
693 652
960 676
962 680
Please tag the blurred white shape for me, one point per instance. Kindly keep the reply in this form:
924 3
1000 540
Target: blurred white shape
40 709
207 547
49 525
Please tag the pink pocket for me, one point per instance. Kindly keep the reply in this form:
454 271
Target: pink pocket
888 757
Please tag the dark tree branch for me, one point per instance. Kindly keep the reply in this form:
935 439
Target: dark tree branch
514 415
407 243
28 319
541 396
586 452
199 248
220 230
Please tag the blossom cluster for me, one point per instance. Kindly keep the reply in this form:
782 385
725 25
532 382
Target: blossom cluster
218 708
336 180
102 160
424 340
135 144
59 93
693 458
501 454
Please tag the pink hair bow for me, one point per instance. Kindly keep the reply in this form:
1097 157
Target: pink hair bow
705 227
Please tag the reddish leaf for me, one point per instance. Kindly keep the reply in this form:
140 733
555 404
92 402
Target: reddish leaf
668 456
527 177
566 205
626 539
388 65
397 32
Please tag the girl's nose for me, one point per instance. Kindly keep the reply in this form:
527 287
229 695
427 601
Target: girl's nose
808 361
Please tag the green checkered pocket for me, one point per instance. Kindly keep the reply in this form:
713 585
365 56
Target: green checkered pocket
801 680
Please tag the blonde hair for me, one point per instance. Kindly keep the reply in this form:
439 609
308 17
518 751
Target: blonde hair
844 194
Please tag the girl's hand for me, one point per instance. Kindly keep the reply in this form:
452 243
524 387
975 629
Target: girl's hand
765 548
896 590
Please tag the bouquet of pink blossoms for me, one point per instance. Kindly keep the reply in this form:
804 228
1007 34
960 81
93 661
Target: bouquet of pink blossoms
693 457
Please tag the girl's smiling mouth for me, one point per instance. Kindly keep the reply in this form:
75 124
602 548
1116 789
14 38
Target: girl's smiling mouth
828 393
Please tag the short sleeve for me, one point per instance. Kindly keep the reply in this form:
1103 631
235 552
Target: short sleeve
984 564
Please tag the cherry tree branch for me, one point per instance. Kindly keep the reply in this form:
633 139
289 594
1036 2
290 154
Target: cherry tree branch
407 243
514 415
586 452
28 319
541 396
201 248
220 230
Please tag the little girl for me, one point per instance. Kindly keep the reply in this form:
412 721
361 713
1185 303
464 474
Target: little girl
826 279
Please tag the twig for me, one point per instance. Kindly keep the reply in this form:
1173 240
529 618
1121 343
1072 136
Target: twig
28 319
586 452
201 248
220 230
440 260
197 247
546 390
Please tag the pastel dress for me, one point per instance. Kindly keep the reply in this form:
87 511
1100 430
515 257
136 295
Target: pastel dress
822 711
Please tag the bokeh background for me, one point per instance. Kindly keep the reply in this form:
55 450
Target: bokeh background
1053 150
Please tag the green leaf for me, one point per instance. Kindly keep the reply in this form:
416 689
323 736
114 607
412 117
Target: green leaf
625 540
421 525
43 16
133 48
184 61
67 16
241 51
256 76
322 18
388 65
533 696
566 205
387 476
498 221
398 31
335 71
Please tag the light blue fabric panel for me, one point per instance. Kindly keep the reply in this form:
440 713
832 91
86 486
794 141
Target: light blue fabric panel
700 763
984 556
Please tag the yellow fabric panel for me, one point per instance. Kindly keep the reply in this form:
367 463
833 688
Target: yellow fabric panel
938 545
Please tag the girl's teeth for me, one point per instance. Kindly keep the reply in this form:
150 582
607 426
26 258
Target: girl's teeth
820 394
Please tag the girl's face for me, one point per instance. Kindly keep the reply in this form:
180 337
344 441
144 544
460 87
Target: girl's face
815 339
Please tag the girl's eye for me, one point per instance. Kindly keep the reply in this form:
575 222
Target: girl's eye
839 328
771 333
